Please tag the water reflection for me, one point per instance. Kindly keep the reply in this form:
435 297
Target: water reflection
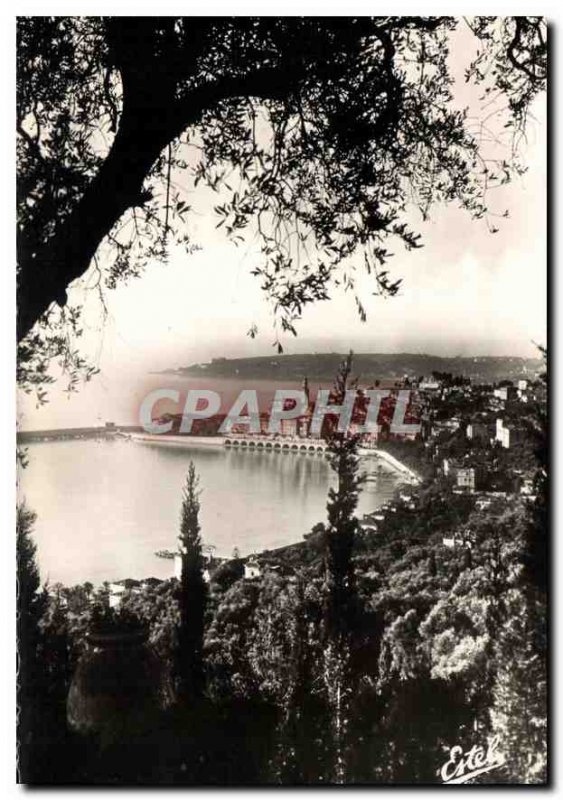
104 507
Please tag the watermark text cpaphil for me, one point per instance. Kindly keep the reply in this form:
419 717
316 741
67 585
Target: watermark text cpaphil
360 411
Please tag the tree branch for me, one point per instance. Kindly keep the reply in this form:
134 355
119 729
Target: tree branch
44 276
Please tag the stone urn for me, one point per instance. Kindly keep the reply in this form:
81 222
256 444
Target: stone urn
116 688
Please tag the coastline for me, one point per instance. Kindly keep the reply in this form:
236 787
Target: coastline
219 441
399 466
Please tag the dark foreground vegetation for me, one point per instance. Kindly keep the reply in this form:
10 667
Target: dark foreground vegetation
360 656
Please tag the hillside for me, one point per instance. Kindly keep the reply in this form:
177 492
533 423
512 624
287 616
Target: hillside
367 366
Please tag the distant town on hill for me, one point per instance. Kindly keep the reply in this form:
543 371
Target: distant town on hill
367 367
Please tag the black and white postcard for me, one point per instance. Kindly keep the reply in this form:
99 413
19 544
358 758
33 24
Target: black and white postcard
282 372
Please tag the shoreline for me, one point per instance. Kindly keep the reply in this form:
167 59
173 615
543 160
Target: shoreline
399 466
219 441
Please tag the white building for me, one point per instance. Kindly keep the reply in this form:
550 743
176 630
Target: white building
469 478
118 589
507 435
252 569
511 436
453 542
116 593
504 392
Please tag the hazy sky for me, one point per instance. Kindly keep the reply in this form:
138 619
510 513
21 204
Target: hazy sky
466 292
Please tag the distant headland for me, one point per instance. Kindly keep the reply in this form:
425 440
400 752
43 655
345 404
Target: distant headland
367 366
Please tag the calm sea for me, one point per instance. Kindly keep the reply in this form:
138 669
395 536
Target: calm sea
105 506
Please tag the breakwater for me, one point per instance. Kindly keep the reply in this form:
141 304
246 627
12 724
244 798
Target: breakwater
62 434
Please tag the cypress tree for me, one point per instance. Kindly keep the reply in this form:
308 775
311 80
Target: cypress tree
340 597
340 532
192 594
30 607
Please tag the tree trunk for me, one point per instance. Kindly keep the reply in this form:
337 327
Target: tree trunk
44 276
